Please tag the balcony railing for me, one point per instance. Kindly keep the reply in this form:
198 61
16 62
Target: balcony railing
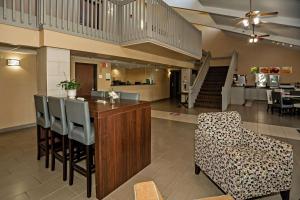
155 21
122 22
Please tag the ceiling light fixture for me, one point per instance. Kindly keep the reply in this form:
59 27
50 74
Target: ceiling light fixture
251 40
255 40
245 22
291 45
256 20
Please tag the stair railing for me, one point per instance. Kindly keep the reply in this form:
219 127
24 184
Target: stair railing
195 88
226 89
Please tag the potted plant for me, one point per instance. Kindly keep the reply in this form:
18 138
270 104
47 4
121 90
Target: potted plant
70 86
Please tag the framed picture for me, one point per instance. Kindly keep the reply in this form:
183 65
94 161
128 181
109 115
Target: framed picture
287 70
107 76
264 70
275 70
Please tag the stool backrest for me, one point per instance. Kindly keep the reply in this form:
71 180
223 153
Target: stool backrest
78 118
42 113
130 96
102 94
58 119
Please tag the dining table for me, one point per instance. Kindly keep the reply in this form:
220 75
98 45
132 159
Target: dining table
122 140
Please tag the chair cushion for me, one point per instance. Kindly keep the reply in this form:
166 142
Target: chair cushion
257 172
57 127
77 134
40 120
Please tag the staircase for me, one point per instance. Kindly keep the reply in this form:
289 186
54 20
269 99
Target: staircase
210 94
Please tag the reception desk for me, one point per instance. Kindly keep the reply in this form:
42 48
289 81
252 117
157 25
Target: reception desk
147 92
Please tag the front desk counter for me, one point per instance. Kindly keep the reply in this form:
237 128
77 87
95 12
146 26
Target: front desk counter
239 95
147 92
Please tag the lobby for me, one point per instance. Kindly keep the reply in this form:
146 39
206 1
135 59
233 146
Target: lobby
178 94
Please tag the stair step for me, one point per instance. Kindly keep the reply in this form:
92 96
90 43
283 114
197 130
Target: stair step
209 93
204 105
209 101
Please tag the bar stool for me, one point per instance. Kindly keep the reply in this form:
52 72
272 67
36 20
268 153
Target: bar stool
130 96
297 106
81 133
43 126
59 130
102 94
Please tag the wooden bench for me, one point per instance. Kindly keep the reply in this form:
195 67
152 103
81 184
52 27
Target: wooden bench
149 191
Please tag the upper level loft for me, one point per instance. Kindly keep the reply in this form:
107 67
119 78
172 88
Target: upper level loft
147 25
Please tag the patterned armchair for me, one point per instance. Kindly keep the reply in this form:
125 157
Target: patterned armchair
240 162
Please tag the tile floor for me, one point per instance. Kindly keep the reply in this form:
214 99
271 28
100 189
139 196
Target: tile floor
172 168
266 129
256 113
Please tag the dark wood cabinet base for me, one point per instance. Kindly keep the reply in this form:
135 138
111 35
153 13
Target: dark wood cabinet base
122 141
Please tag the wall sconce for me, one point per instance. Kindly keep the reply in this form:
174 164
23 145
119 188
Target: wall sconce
13 62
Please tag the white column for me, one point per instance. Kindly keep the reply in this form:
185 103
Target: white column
53 67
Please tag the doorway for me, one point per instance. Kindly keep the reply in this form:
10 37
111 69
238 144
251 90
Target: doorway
86 75
175 85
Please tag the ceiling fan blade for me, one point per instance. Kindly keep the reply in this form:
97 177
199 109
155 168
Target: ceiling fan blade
262 36
265 14
238 18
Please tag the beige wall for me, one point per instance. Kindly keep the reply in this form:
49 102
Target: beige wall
160 89
222 44
17 86
34 38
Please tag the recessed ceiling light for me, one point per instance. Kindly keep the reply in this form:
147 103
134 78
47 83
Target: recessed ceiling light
291 45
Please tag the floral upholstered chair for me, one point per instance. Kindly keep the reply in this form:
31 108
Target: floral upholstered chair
241 162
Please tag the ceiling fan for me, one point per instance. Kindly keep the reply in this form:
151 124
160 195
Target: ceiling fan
254 37
253 17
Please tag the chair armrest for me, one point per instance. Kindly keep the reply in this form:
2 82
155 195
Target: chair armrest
264 143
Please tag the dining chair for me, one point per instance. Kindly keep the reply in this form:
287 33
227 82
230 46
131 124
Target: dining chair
43 127
130 96
283 104
269 98
81 137
59 133
295 93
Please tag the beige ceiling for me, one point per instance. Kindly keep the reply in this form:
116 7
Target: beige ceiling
284 28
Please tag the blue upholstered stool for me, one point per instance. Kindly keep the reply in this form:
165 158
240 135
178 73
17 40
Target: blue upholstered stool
43 127
81 132
59 131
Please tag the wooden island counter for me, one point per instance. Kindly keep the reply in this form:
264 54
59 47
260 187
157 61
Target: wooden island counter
122 141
